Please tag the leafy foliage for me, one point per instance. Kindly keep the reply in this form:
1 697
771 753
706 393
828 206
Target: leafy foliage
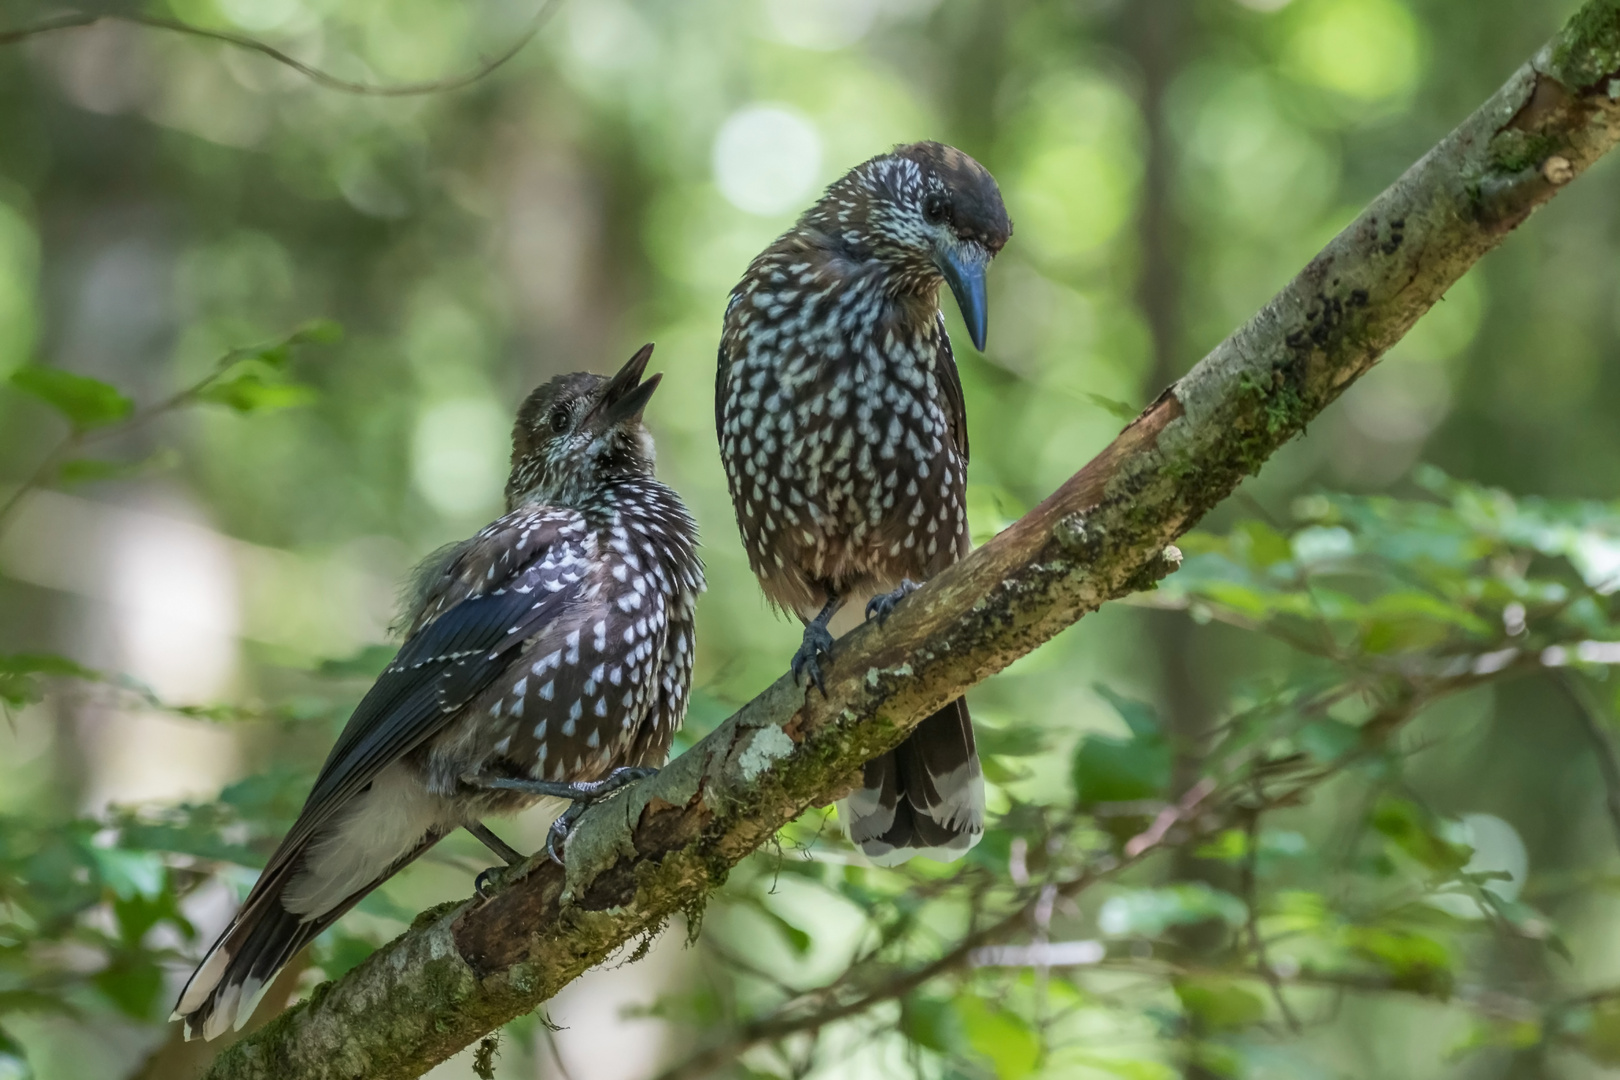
1391 608
85 402
1371 691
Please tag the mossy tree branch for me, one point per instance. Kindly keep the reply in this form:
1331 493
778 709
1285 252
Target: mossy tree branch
660 848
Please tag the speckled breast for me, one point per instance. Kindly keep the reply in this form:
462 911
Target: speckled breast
836 443
607 682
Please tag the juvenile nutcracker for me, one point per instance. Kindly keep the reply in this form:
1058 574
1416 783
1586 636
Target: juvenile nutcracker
548 656
843 432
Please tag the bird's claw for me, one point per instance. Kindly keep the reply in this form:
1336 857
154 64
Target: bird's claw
880 607
557 835
807 661
588 794
487 881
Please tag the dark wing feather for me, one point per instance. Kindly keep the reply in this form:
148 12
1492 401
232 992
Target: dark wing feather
451 658
950 384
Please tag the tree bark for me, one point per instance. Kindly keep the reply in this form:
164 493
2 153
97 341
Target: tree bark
662 846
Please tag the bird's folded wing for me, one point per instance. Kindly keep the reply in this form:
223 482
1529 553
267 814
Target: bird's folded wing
491 598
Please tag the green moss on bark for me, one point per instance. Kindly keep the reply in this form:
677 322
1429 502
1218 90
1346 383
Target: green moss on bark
1587 53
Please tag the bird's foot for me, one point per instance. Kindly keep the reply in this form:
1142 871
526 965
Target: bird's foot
882 606
586 794
488 880
807 661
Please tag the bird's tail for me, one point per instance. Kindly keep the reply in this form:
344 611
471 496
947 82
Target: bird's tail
924 797
232 979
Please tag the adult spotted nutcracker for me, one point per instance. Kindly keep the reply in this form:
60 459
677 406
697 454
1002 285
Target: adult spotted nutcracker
548 656
844 437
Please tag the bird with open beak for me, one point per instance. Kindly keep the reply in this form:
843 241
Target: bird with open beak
843 432
548 657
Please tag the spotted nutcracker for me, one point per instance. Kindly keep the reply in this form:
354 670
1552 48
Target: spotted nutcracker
844 436
550 656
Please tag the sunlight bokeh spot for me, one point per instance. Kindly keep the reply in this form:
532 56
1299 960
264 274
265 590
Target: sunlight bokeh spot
820 24
19 263
460 453
1368 50
767 159
258 16
1075 193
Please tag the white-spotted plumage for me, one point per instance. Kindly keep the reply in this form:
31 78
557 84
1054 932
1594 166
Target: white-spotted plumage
843 433
521 660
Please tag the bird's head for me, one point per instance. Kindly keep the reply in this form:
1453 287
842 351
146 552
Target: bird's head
930 212
579 430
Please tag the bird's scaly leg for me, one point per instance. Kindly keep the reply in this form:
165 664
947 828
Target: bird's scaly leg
484 883
817 643
880 607
581 796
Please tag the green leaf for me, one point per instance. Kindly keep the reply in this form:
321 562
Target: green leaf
1218 1005
1009 1043
1022 740
1413 831
1121 409
250 392
129 873
85 402
133 983
318 332
1114 770
90 470
20 674
276 354
367 664
1263 546
13 1059
337 954
998 771
1229 845
1139 716
798 940
1600 1040
1130 1070
930 1023
1328 740
1414 961
1150 912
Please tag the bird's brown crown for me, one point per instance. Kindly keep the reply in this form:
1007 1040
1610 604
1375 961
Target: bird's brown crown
579 430
973 198
900 203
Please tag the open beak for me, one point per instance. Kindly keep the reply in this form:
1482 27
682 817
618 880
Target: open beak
627 394
964 266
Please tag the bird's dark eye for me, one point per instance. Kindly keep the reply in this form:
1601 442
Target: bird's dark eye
559 418
935 208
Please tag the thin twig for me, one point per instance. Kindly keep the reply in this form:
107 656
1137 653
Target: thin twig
1595 722
314 74
1251 901
41 475
550 1037
79 438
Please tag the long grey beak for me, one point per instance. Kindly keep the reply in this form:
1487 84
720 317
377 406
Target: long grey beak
964 266
626 394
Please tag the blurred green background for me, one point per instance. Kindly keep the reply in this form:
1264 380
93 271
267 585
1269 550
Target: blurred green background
1168 164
